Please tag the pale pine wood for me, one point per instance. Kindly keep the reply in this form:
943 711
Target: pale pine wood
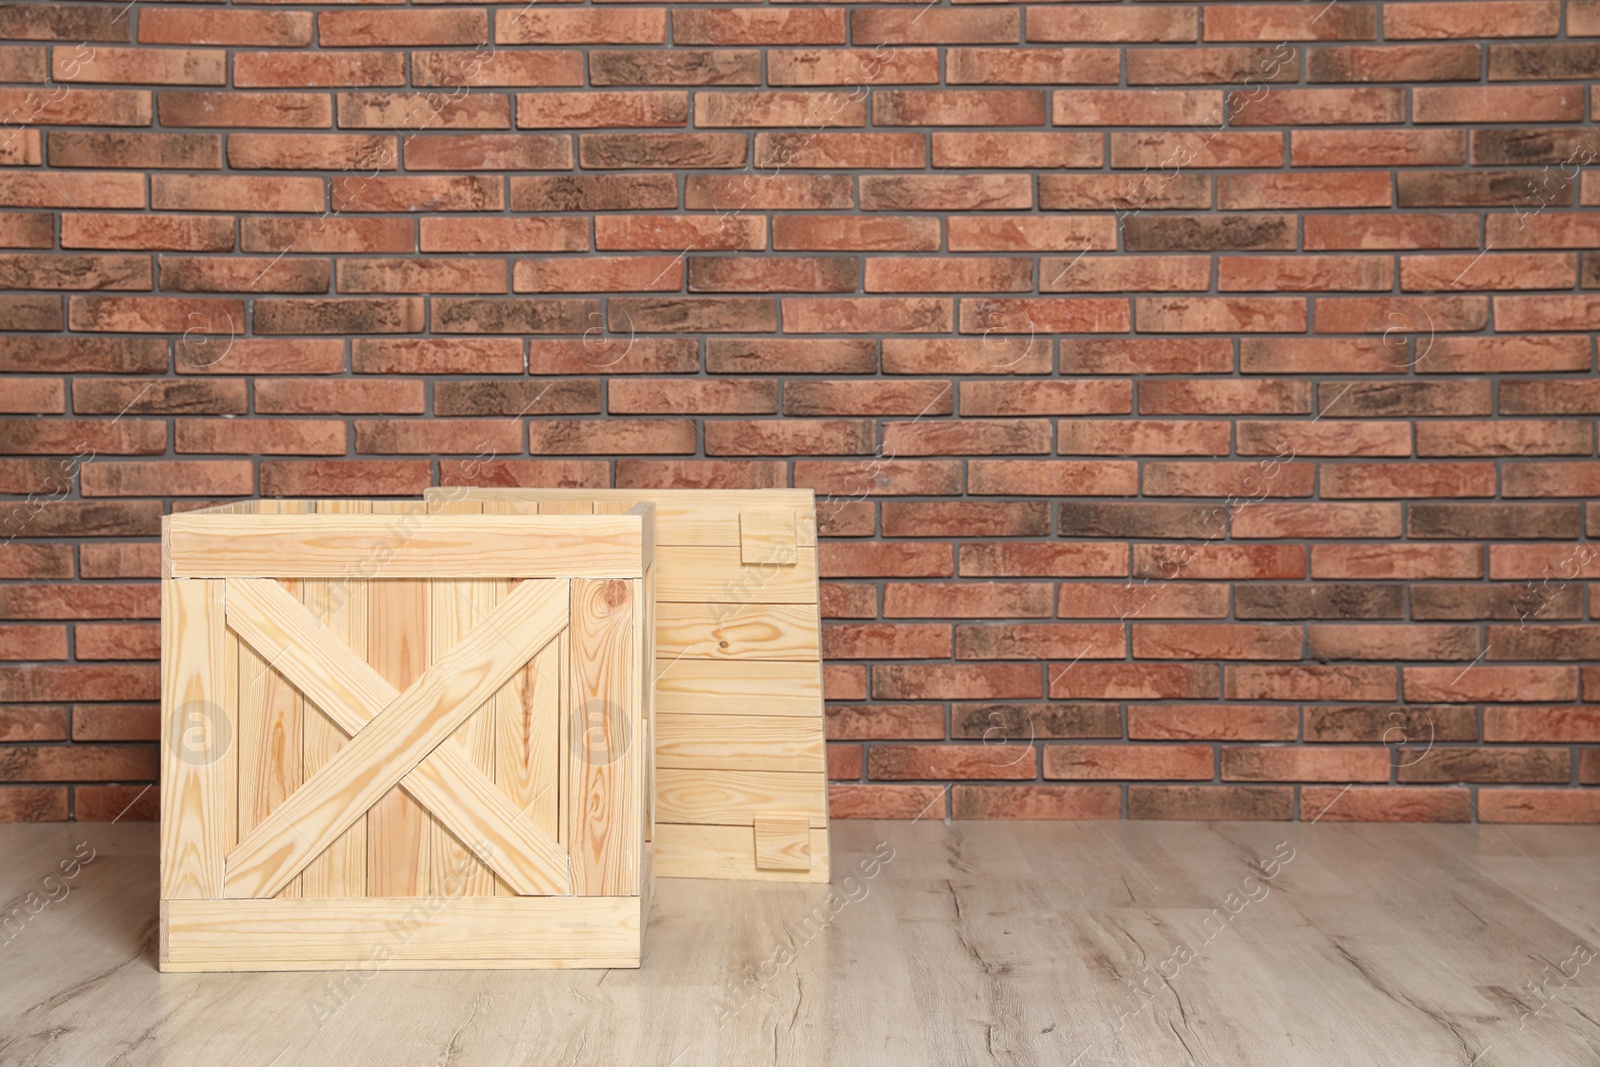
462 930
738 687
459 604
683 516
726 631
738 584
408 546
394 741
195 809
341 869
527 714
718 576
729 853
605 832
736 798
783 844
271 718
740 743
767 535
445 784
399 830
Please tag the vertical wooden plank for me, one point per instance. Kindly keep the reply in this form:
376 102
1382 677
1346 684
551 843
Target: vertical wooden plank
196 739
399 830
566 507
341 604
270 717
528 737
647 747
606 835
458 606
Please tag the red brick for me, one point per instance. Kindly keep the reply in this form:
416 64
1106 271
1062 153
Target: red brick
1215 641
190 25
950 761
887 722
366 29
1384 804
1478 104
1317 520
1135 107
1075 24
1032 66
1539 805
1283 682
1145 597
964 107
116 803
21 803
958 681
1036 802
935 26
1039 640
1128 761
853 66
233 108
1272 22
341 477
1206 722
543 26
1494 19
1210 803
886 801
318 69
1141 681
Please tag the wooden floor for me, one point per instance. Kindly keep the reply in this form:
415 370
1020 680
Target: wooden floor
1032 943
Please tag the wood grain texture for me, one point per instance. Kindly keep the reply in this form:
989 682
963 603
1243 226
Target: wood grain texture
737 798
782 844
408 546
726 631
459 605
736 584
740 687
461 930
703 517
271 723
718 576
399 830
197 740
767 535
341 869
740 743
446 785
729 853
395 741
605 833
1399 945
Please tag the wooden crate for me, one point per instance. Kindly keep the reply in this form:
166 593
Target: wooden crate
740 787
404 734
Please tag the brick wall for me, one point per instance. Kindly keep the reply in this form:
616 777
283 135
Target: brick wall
1200 397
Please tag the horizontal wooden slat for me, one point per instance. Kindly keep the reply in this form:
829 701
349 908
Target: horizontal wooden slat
735 798
716 575
407 546
740 743
303 933
683 516
738 631
727 852
738 687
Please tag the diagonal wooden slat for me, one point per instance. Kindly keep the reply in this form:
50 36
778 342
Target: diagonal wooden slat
399 743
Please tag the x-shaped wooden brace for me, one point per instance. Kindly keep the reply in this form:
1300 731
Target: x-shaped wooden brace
396 738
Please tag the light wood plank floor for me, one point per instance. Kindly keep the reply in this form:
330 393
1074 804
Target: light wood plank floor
1034 943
